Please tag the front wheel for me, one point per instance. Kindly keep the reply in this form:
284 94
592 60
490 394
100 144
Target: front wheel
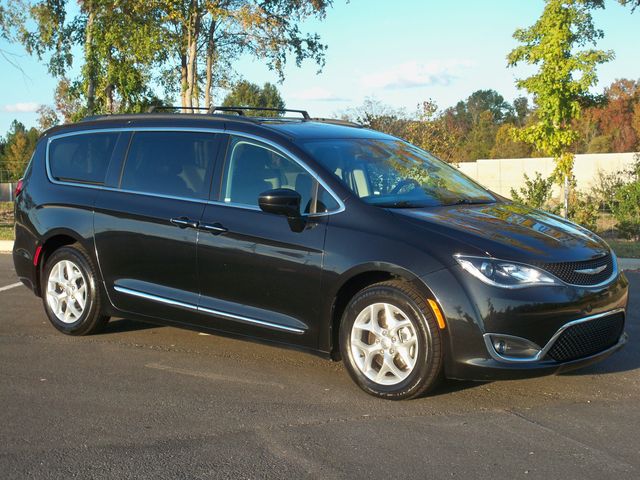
390 341
70 292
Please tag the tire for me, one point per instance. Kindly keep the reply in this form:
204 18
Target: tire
70 292
395 361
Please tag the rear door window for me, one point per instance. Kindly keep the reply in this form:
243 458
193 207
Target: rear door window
81 158
175 164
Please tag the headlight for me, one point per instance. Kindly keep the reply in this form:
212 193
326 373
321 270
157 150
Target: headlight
505 274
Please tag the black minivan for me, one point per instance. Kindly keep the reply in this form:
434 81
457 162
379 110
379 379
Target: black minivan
311 233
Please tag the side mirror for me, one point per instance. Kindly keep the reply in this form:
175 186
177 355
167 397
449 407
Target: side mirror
281 201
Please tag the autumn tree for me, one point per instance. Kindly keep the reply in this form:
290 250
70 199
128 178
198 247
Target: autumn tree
18 147
565 75
614 119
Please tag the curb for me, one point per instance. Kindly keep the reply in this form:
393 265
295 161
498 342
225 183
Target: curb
6 246
629 263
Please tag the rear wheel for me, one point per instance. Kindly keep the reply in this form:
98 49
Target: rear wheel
71 298
390 341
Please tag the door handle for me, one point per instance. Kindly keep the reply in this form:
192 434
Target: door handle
215 228
184 222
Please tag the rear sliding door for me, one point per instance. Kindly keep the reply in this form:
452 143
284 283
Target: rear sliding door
145 229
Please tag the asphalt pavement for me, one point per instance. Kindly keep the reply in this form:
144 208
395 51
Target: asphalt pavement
143 401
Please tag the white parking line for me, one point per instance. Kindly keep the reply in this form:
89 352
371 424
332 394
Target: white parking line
9 287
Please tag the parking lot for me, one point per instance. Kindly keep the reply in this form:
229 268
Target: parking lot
141 401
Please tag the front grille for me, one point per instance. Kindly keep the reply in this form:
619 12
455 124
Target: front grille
587 338
566 271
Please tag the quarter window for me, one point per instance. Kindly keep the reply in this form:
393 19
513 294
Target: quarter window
81 158
170 163
252 169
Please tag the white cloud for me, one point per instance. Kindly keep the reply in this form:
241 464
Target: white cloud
416 74
318 94
21 107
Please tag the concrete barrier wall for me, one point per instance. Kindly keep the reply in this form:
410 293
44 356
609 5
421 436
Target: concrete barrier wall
504 174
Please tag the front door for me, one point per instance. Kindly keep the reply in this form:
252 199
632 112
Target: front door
145 230
258 275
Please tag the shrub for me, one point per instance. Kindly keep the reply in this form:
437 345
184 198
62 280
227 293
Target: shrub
626 210
536 192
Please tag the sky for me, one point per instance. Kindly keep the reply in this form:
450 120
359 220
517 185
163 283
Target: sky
399 52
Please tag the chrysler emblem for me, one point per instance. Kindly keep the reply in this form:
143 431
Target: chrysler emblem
591 271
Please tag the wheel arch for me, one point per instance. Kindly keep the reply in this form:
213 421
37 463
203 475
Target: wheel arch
54 240
359 278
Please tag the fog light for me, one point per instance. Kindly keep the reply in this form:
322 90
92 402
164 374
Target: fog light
514 347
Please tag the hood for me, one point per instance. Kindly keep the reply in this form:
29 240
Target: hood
509 231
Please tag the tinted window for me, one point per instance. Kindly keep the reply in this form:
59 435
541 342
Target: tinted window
81 158
252 169
170 163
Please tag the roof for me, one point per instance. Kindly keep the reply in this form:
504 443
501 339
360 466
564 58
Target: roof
293 128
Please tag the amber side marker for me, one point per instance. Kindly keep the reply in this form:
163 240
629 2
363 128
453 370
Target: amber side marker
437 313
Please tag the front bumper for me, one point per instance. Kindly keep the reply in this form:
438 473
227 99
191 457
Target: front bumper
540 315
491 369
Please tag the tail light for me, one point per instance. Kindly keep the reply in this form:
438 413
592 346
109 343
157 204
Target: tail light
19 187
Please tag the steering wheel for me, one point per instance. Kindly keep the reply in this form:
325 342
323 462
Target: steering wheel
404 183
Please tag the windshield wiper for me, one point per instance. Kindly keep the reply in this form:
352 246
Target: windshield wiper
468 201
399 204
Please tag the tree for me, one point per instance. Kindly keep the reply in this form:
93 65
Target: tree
18 147
211 34
615 117
12 19
48 117
120 43
562 81
247 94
429 132
506 147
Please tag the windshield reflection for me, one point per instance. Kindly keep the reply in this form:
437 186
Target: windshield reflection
395 174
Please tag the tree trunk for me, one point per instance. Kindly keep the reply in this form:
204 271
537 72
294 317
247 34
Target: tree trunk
183 81
109 97
566 196
192 55
208 92
89 59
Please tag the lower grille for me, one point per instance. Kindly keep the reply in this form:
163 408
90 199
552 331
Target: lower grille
587 338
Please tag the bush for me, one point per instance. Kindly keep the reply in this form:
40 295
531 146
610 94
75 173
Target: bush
626 210
583 209
536 193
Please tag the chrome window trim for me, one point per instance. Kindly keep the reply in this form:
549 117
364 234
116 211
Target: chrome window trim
541 354
207 311
276 148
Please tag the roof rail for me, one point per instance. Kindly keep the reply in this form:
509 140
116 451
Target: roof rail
237 110
337 121
241 110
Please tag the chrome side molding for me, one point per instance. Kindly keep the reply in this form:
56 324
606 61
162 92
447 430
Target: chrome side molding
208 311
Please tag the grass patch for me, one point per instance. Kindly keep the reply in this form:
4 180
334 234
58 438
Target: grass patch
6 232
625 248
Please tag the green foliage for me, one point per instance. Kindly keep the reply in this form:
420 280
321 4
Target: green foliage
505 146
583 210
626 204
247 94
564 75
536 192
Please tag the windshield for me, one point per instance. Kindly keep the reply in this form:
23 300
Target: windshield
395 174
